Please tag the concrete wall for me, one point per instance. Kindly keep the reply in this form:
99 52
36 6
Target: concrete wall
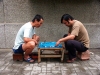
14 13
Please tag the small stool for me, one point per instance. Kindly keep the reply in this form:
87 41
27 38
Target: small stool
84 55
18 56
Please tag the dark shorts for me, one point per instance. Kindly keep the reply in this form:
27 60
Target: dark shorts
19 50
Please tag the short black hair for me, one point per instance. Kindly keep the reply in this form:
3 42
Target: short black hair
66 17
37 17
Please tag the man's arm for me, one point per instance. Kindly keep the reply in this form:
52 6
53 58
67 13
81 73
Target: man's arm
68 34
36 37
26 40
69 37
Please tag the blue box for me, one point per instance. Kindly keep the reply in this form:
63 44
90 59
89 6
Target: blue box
49 45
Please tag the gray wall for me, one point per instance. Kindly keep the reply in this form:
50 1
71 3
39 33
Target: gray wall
14 13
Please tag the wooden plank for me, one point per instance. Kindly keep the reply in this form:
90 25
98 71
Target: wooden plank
51 56
40 55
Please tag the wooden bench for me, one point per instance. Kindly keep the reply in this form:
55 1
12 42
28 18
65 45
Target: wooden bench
84 55
18 56
60 55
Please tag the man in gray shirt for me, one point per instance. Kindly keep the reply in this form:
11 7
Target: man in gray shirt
26 39
77 38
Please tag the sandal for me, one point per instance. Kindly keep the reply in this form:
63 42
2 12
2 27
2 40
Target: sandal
71 61
30 60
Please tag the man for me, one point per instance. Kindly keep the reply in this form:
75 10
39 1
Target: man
26 39
77 38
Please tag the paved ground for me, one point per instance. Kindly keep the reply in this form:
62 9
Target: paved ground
49 66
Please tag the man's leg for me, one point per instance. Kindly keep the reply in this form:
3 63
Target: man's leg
28 47
72 46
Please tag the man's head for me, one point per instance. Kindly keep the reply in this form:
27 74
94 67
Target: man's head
67 20
37 21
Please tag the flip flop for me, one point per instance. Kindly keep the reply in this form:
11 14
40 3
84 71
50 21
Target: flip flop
29 60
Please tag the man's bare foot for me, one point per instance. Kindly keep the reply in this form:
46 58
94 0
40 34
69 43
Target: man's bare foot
71 61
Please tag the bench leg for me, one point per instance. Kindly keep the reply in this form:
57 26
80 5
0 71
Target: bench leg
39 58
18 57
62 55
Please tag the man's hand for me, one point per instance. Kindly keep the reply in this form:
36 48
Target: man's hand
35 41
58 42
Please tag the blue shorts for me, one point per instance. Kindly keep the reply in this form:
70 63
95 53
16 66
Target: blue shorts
19 50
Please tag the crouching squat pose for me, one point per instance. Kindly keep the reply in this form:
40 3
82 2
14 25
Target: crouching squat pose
26 39
77 38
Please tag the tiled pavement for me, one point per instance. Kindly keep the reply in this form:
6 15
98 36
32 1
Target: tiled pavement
51 66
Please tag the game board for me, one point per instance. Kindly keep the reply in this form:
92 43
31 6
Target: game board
49 45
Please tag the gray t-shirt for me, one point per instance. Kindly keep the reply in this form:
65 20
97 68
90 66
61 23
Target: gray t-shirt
80 33
25 31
